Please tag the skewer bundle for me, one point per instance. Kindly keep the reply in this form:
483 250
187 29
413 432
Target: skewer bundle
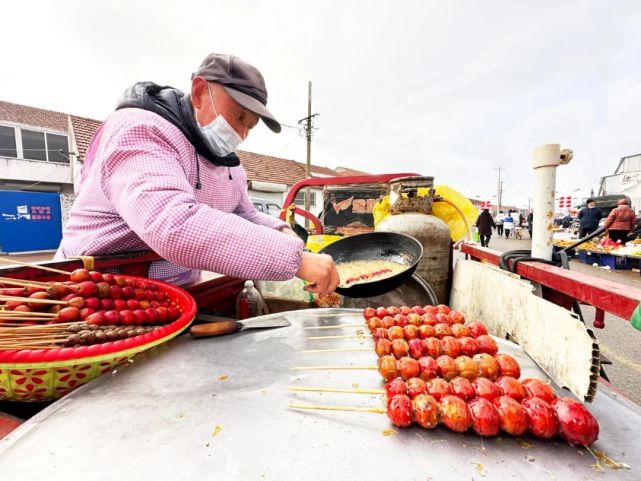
479 391
37 315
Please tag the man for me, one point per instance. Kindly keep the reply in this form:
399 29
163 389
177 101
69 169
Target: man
589 217
530 223
485 223
508 223
620 222
499 223
161 174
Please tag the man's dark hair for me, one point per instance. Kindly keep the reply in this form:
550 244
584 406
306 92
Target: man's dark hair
589 200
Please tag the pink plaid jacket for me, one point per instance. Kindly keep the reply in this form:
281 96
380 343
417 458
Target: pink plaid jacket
137 193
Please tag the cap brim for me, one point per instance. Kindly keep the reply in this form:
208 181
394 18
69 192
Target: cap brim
253 105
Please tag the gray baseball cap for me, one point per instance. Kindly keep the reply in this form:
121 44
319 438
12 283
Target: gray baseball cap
242 81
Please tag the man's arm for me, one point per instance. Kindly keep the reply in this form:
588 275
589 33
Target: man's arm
246 210
145 181
610 219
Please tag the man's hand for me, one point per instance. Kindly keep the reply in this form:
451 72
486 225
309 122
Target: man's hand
320 271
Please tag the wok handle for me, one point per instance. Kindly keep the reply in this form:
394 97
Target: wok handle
215 328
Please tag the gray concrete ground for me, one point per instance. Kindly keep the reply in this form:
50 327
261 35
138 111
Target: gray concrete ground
619 341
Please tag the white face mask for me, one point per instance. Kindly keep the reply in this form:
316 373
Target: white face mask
221 136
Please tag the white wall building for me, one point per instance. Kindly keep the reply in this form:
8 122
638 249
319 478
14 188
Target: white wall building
626 180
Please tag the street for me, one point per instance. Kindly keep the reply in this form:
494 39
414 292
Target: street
619 341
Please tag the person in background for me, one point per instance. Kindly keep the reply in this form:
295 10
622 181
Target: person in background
521 219
530 222
508 223
566 221
485 223
589 217
499 223
620 222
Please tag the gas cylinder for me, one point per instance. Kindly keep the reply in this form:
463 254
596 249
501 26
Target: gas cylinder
411 215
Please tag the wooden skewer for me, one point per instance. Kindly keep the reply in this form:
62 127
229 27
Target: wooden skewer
337 326
358 336
339 349
347 391
334 368
335 314
16 325
24 319
20 282
337 408
32 299
19 347
34 266
23 313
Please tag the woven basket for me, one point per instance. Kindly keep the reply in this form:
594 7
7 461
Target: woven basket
48 374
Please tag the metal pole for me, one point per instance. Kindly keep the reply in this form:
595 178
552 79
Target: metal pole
498 194
546 159
308 166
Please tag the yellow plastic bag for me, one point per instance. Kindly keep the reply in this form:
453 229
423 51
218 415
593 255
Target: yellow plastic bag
442 210
450 216
317 242
381 210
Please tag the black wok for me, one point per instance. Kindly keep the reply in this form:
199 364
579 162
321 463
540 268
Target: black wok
374 246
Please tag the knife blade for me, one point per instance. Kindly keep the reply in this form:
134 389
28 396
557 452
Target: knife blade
219 326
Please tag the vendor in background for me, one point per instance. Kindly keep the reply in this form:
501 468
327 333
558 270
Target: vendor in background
161 174
620 222
485 223
508 223
530 221
589 217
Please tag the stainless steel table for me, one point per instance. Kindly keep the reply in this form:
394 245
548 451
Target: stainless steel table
216 409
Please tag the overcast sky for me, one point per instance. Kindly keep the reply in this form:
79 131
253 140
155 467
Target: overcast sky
449 89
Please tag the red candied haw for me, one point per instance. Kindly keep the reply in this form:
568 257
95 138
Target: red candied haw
55 309
128 292
425 411
429 309
459 330
80 275
433 347
395 332
485 417
414 319
469 346
38 305
426 331
392 311
486 389
93 303
127 317
417 348
487 366
57 291
112 317
103 290
120 304
508 366
427 368
372 322
456 317
164 304
438 387
152 315
455 414
400 320
86 289
77 301
97 318
405 310
68 314
115 292
542 418
18 306
133 304
467 368
400 347
144 304
71 295
86 312
418 310
383 347
379 333
443 308
442 318
410 332
155 304
511 387
109 279
160 296
450 346
514 418
95 276
462 388
540 389
120 281
130 282
577 425
429 319
487 344
387 367
150 295
476 328
388 321
447 368
141 317
441 330
369 312
415 386
107 304
395 387
408 367
381 312
140 284
174 313
163 314
399 410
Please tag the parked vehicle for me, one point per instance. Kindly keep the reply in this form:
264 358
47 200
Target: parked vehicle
266 206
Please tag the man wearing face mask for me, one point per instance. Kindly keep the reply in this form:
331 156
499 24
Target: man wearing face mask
161 174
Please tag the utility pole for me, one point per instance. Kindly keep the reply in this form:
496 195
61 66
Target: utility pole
308 127
499 192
